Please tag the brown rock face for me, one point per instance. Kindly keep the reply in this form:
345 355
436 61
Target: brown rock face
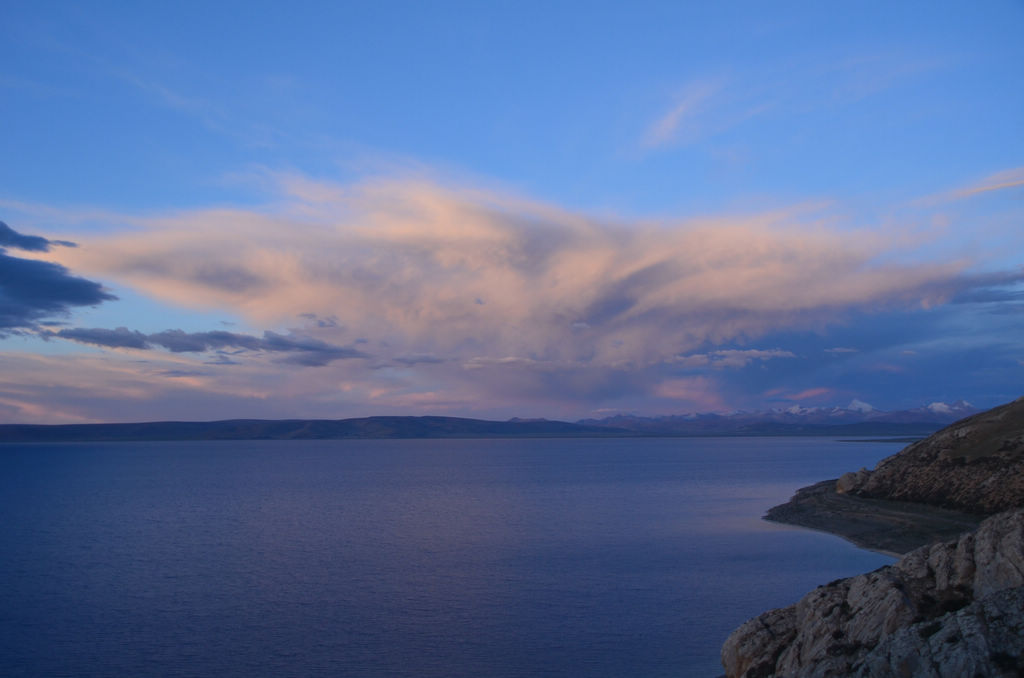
949 609
975 465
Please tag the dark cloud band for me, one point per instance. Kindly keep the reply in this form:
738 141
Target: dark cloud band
32 291
32 243
304 351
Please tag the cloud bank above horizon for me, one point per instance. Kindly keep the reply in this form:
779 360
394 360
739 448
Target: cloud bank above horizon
416 293
468 273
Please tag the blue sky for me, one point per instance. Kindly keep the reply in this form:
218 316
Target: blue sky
508 209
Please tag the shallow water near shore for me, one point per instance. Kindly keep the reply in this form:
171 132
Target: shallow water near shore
426 558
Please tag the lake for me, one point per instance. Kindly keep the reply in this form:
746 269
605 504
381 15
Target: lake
404 558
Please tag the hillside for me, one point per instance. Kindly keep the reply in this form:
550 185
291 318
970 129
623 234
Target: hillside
974 465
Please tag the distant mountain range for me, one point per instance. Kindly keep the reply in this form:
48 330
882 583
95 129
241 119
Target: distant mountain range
858 419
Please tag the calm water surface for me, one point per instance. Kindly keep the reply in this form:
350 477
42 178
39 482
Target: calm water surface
560 558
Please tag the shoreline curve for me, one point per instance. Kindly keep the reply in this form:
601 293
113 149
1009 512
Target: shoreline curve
890 527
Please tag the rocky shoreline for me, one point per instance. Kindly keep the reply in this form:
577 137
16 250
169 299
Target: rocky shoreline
952 606
949 610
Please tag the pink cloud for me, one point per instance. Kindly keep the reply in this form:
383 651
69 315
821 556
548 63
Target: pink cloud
681 119
1011 178
465 273
808 394
462 299
886 367
693 393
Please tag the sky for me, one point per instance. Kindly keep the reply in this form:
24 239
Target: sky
499 209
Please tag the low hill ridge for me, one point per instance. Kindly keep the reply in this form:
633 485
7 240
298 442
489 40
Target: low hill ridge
974 465
303 429
793 422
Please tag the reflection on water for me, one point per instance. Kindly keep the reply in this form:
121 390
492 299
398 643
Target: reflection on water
404 558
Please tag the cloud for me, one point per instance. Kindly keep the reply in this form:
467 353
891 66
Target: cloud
886 368
412 360
854 79
71 388
209 114
841 349
667 129
303 351
221 358
319 322
179 374
406 263
999 181
178 341
742 358
122 337
32 291
695 393
809 393
693 360
11 238
729 358
1011 178
484 303
710 107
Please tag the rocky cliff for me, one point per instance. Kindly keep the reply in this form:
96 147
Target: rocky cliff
975 465
953 609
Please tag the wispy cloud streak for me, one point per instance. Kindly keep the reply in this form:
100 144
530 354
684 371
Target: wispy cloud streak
668 129
1011 178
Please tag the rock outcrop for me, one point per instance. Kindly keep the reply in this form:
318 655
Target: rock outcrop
948 609
974 465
